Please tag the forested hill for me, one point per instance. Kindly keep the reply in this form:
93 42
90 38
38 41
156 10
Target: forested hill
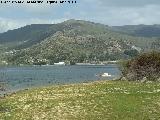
71 41
139 30
35 33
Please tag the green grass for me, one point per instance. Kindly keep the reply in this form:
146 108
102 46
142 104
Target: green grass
103 100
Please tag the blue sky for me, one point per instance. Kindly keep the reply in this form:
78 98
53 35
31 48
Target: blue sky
109 12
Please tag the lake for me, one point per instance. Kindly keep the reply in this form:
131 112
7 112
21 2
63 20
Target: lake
19 78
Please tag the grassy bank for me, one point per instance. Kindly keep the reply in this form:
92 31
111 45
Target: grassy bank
112 100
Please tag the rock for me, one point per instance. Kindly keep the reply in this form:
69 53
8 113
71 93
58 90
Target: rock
149 82
144 80
158 80
123 79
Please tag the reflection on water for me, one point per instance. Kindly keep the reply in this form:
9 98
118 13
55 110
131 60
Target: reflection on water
18 78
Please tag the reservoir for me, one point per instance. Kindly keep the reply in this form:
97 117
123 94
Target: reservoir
19 78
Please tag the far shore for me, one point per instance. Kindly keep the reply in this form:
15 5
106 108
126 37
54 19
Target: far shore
76 64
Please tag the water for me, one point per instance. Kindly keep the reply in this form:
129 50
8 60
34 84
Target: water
18 78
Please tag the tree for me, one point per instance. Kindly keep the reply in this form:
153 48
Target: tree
2 86
146 65
131 53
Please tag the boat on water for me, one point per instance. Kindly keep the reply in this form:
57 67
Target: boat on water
104 75
60 63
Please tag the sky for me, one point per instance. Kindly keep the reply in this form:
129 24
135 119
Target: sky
109 12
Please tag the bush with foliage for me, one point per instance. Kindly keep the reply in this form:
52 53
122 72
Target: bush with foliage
146 65
2 86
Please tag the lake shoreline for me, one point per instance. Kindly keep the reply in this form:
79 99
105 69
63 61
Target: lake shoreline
10 93
34 76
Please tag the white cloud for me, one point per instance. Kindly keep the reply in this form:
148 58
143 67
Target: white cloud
32 8
10 24
109 12
128 3
7 24
109 15
149 14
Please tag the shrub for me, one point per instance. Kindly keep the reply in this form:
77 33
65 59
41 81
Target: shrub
146 65
2 86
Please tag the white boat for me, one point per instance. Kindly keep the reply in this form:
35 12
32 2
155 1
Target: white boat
104 75
60 63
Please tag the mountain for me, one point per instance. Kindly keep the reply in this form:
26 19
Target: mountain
29 34
71 41
139 30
